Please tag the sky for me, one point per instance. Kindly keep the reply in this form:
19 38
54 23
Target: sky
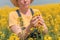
35 2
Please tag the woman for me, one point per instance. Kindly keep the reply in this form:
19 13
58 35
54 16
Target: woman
27 20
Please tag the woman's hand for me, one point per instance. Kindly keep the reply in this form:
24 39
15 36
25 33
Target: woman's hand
36 21
42 23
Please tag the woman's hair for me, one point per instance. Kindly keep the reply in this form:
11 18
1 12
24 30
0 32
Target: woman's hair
31 1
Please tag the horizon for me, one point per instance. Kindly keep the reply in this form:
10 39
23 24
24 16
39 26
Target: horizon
35 2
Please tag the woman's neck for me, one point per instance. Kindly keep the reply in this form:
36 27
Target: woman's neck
24 11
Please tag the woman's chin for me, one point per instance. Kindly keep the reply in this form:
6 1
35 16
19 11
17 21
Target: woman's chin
26 7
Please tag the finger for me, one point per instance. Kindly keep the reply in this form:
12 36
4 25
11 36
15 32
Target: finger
41 19
35 21
40 23
36 24
38 17
34 17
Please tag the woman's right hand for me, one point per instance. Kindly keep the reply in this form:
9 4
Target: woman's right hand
34 21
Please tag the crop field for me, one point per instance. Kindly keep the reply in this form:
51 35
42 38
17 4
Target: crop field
50 14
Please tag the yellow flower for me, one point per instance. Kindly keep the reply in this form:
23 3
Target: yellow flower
32 29
13 37
56 30
58 38
36 13
30 38
3 35
47 37
40 29
0 32
35 38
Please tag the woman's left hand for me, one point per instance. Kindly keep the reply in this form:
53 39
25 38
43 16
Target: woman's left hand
40 21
